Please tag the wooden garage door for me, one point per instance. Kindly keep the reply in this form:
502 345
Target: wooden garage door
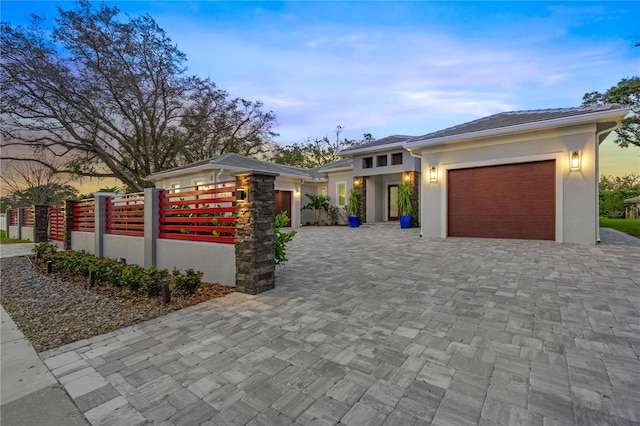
283 203
506 201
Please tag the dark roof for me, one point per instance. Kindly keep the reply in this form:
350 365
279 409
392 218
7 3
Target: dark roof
379 142
242 162
342 163
514 118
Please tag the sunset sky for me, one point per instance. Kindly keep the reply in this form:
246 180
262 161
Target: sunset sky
398 67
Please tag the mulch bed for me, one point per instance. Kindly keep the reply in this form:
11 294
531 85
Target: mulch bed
55 309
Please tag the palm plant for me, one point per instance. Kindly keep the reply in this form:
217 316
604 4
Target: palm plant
317 203
404 199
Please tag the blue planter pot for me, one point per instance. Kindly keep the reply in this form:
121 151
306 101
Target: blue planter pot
405 221
354 221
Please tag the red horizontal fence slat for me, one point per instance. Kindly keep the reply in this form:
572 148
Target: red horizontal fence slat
56 223
28 216
199 214
125 215
84 216
13 217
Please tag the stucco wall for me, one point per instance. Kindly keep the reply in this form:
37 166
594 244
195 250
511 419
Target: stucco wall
83 241
122 246
27 233
14 232
576 213
217 261
409 163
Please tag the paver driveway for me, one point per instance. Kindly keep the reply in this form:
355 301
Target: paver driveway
378 326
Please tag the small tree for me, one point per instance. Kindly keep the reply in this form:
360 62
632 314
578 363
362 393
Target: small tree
317 203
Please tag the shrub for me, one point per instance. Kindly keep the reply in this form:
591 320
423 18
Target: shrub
188 282
45 248
282 238
131 277
152 281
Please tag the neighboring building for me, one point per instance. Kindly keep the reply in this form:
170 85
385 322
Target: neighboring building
632 208
523 174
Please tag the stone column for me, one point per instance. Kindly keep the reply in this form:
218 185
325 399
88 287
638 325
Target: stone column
151 225
360 185
68 223
255 239
41 223
414 182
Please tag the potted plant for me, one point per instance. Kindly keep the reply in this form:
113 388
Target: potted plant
353 208
404 204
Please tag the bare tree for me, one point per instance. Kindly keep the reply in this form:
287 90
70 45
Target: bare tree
31 182
112 98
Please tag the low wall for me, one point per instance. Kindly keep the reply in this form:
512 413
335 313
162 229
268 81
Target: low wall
14 232
122 246
27 233
217 261
83 241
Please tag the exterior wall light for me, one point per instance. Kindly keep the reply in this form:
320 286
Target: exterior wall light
575 160
407 178
433 174
241 195
356 182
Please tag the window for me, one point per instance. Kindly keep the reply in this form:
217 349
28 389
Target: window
323 191
381 160
367 162
175 187
396 158
342 193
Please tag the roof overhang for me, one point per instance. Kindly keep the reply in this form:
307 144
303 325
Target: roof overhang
595 117
212 166
379 148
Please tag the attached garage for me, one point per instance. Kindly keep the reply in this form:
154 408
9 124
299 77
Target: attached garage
503 201
515 175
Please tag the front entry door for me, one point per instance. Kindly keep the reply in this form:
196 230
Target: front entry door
392 207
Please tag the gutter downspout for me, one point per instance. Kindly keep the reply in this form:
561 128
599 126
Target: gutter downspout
598 141
421 197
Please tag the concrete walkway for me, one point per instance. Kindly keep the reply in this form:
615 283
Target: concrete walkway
29 394
379 326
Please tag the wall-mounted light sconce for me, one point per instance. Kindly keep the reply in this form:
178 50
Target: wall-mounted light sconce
433 174
296 194
241 195
407 178
356 182
574 160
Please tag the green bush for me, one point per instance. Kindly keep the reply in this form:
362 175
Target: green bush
282 238
188 282
117 274
131 277
152 281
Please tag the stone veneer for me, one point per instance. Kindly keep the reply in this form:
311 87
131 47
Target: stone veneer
361 187
255 238
41 223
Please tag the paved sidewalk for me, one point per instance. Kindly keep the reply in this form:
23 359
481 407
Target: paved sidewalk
611 236
29 394
379 326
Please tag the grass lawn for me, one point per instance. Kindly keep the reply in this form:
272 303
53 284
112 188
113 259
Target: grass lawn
628 226
5 240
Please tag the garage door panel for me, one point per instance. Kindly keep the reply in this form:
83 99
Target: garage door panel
505 201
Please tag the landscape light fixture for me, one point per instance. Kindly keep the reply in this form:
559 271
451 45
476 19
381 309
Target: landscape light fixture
433 174
575 160
241 195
